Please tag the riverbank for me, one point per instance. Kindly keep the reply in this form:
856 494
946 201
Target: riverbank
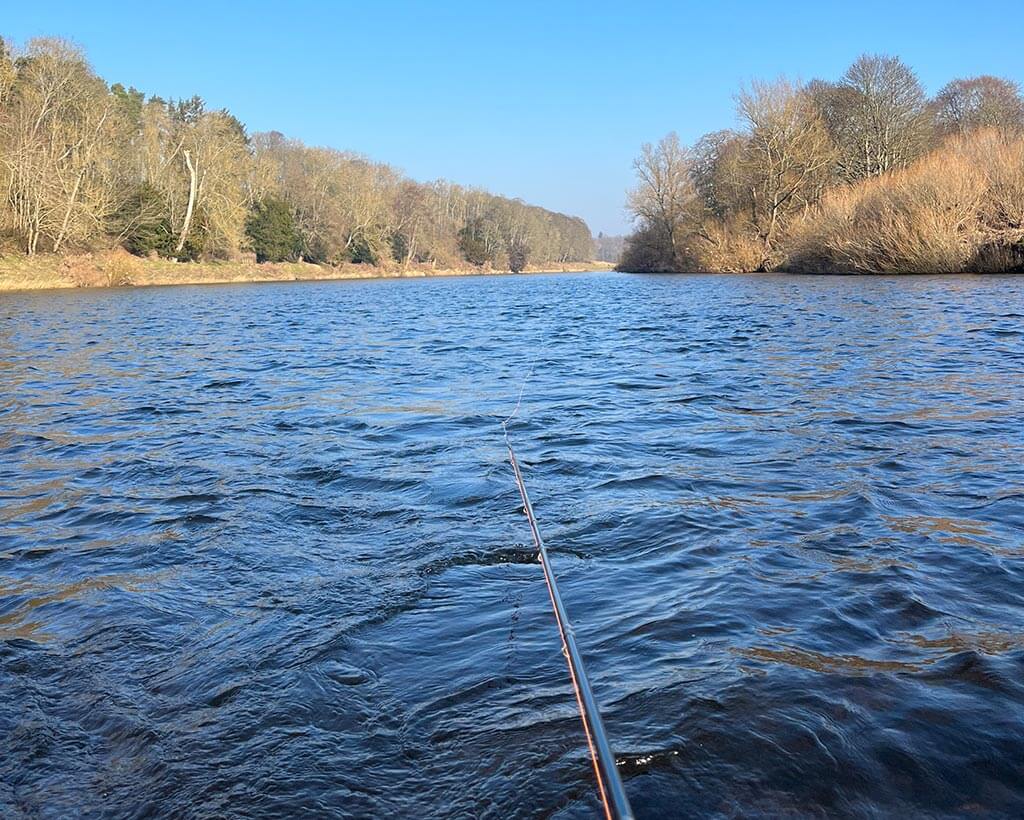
118 268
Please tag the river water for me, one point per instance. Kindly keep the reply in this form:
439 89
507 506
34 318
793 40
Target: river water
261 553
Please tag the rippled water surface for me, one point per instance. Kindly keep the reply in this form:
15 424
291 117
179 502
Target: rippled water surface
261 554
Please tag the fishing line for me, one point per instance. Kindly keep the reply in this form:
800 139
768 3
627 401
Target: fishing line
519 401
609 784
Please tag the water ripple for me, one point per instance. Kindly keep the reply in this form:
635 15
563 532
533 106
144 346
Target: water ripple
261 554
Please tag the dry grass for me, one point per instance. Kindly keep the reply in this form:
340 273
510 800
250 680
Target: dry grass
729 247
959 209
117 268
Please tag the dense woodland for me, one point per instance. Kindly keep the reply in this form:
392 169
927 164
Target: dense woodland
866 174
86 166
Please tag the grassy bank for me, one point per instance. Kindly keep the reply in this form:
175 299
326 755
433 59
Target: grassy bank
120 269
959 209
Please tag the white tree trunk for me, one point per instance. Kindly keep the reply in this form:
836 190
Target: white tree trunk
191 203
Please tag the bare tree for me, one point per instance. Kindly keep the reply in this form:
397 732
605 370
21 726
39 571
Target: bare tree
787 153
199 162
57 135
710 157
880 119
83 165
664 195
7 72
979 102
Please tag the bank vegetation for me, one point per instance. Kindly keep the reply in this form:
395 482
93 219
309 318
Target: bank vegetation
91 168
863 175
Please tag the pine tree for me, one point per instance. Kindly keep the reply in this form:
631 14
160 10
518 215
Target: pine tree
272 232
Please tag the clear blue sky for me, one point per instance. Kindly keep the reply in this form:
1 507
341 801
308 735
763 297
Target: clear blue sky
545 101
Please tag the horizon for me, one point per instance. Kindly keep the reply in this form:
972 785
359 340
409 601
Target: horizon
464 116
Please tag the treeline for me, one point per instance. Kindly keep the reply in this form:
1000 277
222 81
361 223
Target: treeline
84 165
609 248
862 175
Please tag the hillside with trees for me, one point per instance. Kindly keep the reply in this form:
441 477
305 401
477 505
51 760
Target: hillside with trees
85 166
866 174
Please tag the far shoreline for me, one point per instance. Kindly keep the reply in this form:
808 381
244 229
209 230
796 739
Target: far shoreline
119 269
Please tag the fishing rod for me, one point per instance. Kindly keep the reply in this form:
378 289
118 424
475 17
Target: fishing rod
613 795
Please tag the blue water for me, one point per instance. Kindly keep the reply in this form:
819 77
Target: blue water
261 554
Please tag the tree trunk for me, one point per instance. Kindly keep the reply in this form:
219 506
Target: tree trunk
33 229
67 212
191 203
409 251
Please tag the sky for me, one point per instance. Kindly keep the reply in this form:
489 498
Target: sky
545 101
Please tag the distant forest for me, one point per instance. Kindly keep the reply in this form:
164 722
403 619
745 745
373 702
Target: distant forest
866 174
87 166
609 248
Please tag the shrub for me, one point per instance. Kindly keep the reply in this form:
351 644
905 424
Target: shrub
648 250
960 208
518 255
473 244
272 232
142 226
729 245
364 251
399 246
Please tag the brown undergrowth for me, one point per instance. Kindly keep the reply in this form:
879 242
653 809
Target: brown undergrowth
118 268
959 209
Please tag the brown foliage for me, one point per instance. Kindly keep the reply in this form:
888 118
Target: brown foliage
979 102
837 177
115 268
960 208
84 166
730 246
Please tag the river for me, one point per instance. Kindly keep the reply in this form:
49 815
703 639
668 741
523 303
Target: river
262 555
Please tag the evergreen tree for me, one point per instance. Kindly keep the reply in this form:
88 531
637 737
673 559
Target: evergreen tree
518 255
473 244
142 225
272 232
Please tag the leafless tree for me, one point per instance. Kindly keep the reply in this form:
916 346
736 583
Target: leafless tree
710 156
56 133
979 102
787 152
879 118
664 194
